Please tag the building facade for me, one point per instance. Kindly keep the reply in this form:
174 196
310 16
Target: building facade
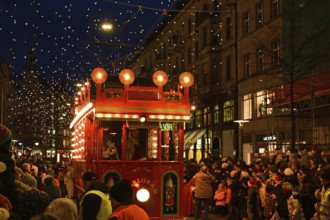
39 115
4 92
246 57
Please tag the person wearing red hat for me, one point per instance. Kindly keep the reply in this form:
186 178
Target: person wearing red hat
281 203
253 204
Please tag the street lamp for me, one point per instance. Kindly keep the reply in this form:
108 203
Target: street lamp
106 26
239 153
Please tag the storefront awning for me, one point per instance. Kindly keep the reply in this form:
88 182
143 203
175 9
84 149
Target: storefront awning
193 137
188 135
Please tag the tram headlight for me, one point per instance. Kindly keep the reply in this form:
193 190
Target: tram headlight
142 195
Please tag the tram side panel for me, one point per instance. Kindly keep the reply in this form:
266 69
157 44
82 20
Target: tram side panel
156 184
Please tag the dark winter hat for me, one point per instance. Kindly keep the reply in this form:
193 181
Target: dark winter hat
48 180
122 191
89 176
273 168
5 138
325 174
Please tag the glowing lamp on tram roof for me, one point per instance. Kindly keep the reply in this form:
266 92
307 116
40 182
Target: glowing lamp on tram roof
186 79
160 78
99 75
126 76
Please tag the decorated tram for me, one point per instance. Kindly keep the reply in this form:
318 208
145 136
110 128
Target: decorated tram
133 131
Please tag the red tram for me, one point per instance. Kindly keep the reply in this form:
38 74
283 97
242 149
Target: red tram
134 132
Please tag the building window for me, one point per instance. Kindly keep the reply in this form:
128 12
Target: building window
274 8
247 106
215 72
260 60
199 119
215 35
247 65
204 41
205 81
191 123
189 27
207 117
228 111
196 50
228 68
189 55
259 14
216 111
263 103
228 28
246 23
275 53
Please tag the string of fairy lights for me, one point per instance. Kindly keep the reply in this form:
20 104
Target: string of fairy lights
54 30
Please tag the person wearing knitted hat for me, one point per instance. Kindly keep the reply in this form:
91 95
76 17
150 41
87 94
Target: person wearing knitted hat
5 139
281 200
121 196
62 208
51 188
95 203
7 170
324 211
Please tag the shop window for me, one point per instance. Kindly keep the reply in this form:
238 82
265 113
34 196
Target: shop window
247 106
228 111
263 102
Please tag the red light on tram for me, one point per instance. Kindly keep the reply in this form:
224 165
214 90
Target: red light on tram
126 76
186 79
99 75
160 78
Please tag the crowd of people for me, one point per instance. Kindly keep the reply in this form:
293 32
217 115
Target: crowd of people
34 189
291 186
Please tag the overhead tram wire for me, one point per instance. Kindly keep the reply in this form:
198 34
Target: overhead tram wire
164 11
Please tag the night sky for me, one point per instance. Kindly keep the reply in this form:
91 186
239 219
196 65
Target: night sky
66 35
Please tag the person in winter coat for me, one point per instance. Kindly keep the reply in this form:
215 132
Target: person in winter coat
220 198
294 207
269 202
51 188
203 191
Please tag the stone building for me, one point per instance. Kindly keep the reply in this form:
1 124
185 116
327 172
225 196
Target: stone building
245 56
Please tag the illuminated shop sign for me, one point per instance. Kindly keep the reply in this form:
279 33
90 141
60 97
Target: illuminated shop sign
269 138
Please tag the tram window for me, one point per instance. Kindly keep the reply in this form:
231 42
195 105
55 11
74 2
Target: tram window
137 143
144 143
